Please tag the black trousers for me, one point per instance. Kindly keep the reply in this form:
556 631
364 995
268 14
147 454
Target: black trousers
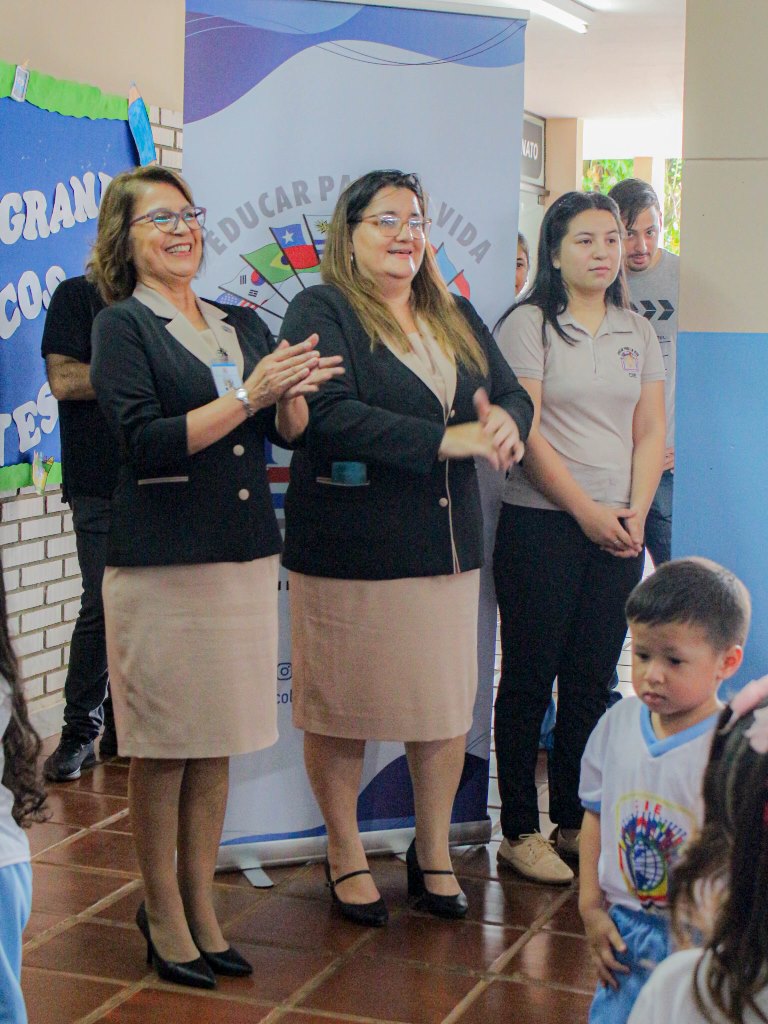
86 684
561 603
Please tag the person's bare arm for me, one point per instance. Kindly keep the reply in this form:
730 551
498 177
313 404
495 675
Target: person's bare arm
69 378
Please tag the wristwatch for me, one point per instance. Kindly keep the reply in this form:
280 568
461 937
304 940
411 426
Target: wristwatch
241 395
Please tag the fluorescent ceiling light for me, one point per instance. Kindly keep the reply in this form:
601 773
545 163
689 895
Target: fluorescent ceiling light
557 12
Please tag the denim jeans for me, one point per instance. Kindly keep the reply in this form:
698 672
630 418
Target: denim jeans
658 525
86 685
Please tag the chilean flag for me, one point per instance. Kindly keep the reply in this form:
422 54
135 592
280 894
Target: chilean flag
300 254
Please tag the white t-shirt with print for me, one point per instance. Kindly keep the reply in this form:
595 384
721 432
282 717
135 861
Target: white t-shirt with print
647 792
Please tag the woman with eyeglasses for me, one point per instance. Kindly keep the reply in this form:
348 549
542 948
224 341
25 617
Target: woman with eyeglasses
384 529
191 389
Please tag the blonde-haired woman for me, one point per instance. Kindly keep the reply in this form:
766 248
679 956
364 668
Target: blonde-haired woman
384 528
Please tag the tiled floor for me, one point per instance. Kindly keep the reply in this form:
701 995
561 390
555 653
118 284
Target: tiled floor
519 958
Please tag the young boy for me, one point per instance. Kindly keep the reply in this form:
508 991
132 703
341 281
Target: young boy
653 276
643 765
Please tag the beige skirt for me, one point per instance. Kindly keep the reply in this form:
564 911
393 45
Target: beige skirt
192 653
385 659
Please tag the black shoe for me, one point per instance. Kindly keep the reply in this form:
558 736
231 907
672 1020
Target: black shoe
441 906
195 973
108 742
71 755
229 963
372 915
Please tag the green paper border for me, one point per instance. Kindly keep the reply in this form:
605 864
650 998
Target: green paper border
19 475
59 96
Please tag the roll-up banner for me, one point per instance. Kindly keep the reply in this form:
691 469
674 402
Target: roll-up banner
286 102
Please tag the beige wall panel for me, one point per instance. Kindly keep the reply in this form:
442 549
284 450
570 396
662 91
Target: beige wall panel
108 43
565 155
726 79
724 246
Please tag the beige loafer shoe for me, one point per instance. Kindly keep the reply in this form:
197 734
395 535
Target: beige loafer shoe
534 857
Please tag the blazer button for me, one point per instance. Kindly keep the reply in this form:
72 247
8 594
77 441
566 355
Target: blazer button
443 503
451 414
238 450
243 494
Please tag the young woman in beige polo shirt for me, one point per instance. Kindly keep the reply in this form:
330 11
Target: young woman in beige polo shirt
569 546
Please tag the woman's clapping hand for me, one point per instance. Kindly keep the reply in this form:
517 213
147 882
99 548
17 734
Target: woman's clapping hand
289 372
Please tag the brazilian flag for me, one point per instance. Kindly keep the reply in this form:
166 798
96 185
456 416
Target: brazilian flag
270 261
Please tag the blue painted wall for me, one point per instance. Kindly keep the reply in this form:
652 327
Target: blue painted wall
721 467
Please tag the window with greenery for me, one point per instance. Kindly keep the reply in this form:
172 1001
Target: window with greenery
602 175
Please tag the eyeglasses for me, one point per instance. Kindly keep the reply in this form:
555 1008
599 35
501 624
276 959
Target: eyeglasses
168 221
390 225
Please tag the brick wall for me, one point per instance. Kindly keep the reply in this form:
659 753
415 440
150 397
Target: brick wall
40 568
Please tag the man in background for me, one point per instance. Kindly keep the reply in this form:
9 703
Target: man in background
653 275
89 472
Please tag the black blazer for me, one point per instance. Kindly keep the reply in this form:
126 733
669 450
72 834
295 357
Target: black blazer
417 516
171 508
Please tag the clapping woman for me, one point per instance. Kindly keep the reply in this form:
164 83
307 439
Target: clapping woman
191 389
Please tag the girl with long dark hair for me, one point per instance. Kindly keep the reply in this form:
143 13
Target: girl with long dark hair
569 545
720 886
21 802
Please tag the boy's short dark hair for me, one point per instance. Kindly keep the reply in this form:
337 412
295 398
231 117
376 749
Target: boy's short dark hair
632 196
695 592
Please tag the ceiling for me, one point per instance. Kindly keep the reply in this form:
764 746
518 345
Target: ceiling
627 66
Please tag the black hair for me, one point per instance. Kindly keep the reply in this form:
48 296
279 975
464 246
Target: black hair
21 744
548 291
632 196
522 243
359 194
697 592
728 862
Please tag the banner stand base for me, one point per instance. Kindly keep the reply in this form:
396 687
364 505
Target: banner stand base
258 878
248 856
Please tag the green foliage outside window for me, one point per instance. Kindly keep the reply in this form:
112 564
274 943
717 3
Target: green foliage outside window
602 175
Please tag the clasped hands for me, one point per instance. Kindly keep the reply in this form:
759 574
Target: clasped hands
291 371
493 435
619 531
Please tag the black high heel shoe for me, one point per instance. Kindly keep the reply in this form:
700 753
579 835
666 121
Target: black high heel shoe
229 963
195 973
372 915
441 906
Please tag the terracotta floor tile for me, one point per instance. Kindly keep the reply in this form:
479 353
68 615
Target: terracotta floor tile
83 809
386 990
442 943
160 1005
57 999
229 901
39 922
277 972
298 923
98 950
110 778
552 957
508 902
567 918
104 849
46 834
68 890
511 1003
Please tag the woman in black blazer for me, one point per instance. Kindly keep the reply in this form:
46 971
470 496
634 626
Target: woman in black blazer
384 528
190 589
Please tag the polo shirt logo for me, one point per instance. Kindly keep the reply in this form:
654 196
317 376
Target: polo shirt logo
630 361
